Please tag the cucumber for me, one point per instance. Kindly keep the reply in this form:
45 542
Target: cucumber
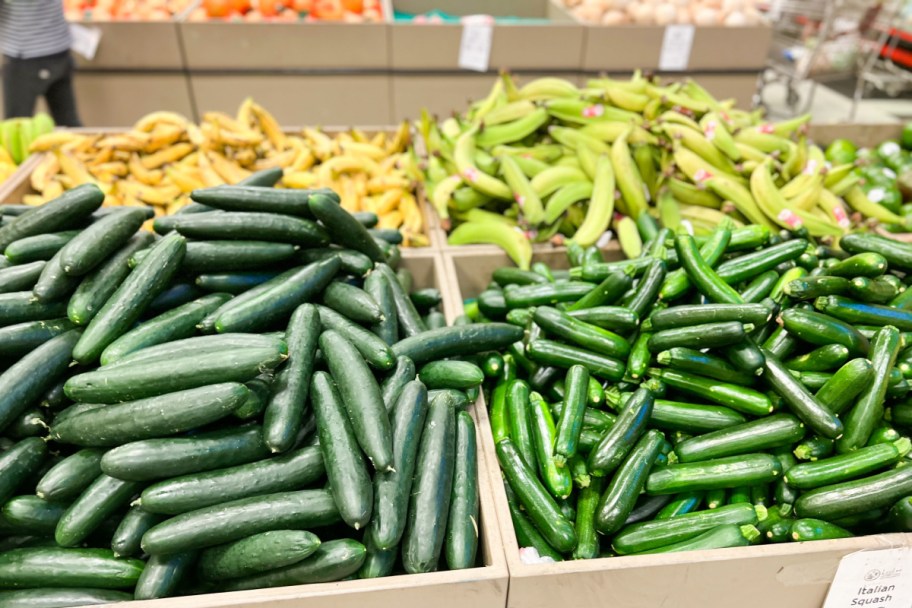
53 283
175 324
374 350
426 299
410 323
617 443
61 598
850 497
38 247
801 402
99 501
648 535
236 519
99 241
693 418
210 488
334 560
150 418
162 575
71 476
722 537
729 472
20 306
378 562
353 262
21 277
450 374
248 226
395 382
462 523
587 336
548 352
97 286
204 257
131 299
129 532
264 177
65 211
31 423
233 282
349 479
361 396
258 553
33 515
457 341
429 505
393 488
176 295
139 380
78 568
163 458
620 497
256 198
342 227
810 475
762 434
199 345
352 302
19 339
378 288
277 301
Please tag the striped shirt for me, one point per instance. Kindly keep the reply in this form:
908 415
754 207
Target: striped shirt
33 28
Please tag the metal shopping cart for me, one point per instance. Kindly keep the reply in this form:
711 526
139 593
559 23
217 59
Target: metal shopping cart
886 58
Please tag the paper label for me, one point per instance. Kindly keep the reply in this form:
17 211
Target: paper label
775 11
85 40
676 45
475 46
878 579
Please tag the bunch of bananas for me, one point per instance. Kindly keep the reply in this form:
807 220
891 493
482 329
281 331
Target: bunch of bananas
164 157
16 135
548 159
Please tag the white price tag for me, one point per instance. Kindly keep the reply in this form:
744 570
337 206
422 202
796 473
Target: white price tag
85 40
475 46
676 45
877 579
775 12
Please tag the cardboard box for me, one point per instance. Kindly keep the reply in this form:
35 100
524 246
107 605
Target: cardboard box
122 98
343 99
139 45
796 575
554 46
284 46
630 47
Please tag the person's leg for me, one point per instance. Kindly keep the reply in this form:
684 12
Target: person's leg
21 87
60 96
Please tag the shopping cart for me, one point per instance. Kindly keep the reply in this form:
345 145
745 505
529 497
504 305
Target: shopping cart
886 61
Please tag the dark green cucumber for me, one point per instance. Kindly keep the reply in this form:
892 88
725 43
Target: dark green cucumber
53 283
816 529
150 418
343 227
620 497
617 443
258 553
752 264
693 418
258 198
869 409
31 423
703 364
461 543
616 318
99 501
690 315
21 277
97 286
199 345
587 336
738 398
248 226
99 241
162 575
572 416
353 262
258 396
65 211
163 458
377 562
557 479
730 472
207 325
837 469
236 519
395 382
49 597
175 324
799 400
21 338
431 493
76 568
858 313
410 323
139 380
450 374
33 515
68 478
352 302
647 289
379 289
552 353
374 350
762 434
233 283
426 299
361 395
200 490
850 497
820 359
276 303
866 264
542 510
608 291
392 488
131 298
334 560
129 532
38 247
288 397
346 470
649 535
709 335
264 177
457 340
29 378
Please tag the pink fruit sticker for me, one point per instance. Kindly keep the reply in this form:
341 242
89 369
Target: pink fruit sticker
470 174
842 217
702 175
709 130
788 216
520 200
766 128
593 111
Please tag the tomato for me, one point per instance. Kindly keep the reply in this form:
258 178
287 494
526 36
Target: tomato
240 6
217 8
353 6
330 10
841 152
302 6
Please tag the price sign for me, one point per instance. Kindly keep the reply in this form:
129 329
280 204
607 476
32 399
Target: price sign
676 45
85 40
475 46
873 579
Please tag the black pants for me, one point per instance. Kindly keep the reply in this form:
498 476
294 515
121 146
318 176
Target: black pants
24 80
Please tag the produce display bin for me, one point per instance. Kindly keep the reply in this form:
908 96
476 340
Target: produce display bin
122 98
862 135
17 184
134 45
797 575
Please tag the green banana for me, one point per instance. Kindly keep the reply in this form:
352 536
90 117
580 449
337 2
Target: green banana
463 156
716 131
529 202
508 112
690 194
601 205
629 180
629 237
512 240
698 143
584 112
573 138
628 100
530 166
546 153
506 133
561 200
554 178
465 198
548 88
443 193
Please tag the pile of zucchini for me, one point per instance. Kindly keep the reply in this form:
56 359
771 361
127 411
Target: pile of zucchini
234 404
713 392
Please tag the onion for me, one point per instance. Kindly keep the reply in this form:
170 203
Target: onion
736 19
665 14
706 16
615 18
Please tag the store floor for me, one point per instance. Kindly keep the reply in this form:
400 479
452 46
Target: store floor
830 105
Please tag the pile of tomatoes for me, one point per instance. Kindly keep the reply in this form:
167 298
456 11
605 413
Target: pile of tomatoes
289 10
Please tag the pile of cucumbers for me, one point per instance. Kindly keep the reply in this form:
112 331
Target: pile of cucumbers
254 398
744 387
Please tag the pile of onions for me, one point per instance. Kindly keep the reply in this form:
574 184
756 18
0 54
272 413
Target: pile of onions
663 12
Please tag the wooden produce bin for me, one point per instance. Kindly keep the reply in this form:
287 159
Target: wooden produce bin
17 184
538 46
122 98
796 575
134 45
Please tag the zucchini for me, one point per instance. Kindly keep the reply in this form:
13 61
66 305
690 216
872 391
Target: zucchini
457 340
850 497
545 294
702 275
258 553
703 364
762 434
334 560
901 515
690 315
647 289
693 418
820 359
620 497
38 247
649 535
898 255
99 501
65 211
264 177
555 354
802 403
76 568
739 398
821 330
709 335
608 291
461 541
557 479
828 471
589 337
849 311
99 241
572 417
816 529
722 537
617 443
244 226
210 488
729 472
615 318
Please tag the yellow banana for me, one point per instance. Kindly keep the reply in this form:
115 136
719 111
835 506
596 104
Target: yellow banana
413 220
110 169
299 179
184 180
320 143
401 139
228 170
371 151
74 169
163 136
270 127
131 142
54 139
442 193
168 155
509 238
245 116
148 122
629 180
139 171
208 174
44 172
53 189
